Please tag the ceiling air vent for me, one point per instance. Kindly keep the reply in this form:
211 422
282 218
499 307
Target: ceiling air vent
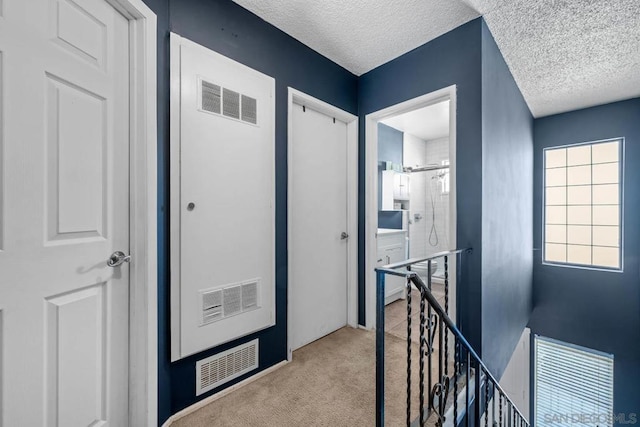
226 366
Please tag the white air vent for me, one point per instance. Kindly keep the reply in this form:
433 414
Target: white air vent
249 109
229 103
229 300
232 300
249 296
223 367
211 97
211 306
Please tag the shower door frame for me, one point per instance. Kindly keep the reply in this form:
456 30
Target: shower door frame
371 190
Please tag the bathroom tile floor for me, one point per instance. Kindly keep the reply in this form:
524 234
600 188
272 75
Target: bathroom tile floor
396 316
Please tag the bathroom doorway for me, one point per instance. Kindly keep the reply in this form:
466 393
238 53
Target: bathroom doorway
411 198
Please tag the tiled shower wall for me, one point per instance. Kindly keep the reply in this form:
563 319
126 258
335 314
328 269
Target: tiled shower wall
415 154
422 241
437 151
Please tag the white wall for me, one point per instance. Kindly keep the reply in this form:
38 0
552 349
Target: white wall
515 380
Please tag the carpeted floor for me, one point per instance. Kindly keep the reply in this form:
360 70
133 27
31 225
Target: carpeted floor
330 382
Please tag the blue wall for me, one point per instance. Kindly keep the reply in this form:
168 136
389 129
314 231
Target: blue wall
225 27
595 309
454 58
507 209
390 144
390 149
390 219
451 59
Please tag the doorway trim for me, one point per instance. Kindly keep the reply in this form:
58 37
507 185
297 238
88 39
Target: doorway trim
143 242
296 96
371 186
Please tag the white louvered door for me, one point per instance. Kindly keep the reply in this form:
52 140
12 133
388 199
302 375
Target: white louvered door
64 142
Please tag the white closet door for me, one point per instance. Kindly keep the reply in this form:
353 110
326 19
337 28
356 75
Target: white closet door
318 216
223 164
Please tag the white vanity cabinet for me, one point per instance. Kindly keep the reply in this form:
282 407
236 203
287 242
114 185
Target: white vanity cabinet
392 246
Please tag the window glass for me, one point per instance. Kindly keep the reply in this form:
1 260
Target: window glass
582 199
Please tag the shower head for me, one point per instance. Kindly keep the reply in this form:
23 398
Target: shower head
439 175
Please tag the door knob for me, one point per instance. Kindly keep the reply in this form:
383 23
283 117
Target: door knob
118 258
344 236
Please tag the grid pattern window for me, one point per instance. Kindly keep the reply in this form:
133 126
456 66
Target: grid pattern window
573 385
582 205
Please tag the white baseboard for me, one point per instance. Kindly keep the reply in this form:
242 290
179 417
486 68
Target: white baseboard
204 402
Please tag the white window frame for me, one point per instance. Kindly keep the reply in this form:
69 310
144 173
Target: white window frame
621 169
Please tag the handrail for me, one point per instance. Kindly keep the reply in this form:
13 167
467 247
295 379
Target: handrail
392 269
454 329
406 263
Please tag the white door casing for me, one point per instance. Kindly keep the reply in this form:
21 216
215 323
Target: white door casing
322 153
371 190
64 315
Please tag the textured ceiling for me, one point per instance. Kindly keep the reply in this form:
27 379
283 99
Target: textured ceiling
362 34
426 123
568 54
563 54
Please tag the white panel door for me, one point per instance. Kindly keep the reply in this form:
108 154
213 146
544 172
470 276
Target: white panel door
64 142
318 217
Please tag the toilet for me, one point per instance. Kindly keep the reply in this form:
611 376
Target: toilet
422 267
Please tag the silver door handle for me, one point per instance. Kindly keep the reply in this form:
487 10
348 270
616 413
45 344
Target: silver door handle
118 258
344 236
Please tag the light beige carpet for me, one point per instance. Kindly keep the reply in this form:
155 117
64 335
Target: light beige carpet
330 382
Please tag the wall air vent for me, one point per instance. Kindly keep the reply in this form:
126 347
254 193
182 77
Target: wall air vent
229 300
211 306
249 296
226 366
249 109
232 300
229 103
211 97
